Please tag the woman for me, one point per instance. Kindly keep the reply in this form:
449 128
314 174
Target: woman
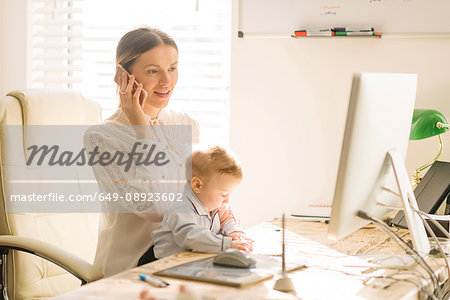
150 56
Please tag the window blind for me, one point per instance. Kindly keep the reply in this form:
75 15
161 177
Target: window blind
56 44
76 41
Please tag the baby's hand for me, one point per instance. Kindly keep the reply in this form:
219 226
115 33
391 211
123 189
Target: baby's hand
236 235
240 236
225 215
241 244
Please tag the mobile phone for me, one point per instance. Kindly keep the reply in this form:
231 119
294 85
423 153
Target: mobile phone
119 71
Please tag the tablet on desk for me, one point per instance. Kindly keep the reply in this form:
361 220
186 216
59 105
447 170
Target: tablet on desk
204 270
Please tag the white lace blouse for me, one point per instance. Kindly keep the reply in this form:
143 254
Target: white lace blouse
125 229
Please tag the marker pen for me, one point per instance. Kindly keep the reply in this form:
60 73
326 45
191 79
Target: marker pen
153 280
360 33
314 30
356 29
314 33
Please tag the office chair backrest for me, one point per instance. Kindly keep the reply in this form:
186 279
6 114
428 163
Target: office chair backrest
29 276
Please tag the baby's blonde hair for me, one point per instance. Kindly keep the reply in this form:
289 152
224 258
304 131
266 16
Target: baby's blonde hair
215 160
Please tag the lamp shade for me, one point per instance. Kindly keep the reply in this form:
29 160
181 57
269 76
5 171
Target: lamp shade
424 124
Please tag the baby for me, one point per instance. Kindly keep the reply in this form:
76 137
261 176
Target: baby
193 224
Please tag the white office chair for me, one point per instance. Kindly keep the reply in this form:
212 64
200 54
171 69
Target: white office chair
62 243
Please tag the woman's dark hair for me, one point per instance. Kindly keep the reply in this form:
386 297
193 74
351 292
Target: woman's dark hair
138 41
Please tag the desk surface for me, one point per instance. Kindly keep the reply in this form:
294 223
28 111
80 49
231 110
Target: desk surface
331 273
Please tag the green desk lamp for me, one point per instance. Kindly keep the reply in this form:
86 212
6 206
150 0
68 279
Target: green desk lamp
427 123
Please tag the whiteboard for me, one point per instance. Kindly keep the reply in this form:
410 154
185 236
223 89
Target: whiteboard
386 16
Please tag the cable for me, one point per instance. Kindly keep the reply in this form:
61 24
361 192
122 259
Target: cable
407 247
418 285
438 225
390 207
386 189
420 276
419 259
430 231
415 255
446 233
428 228
392 277
421 214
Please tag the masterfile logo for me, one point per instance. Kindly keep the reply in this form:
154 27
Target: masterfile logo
105 158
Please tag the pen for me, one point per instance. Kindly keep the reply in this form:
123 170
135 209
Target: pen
314 33
347 33
314 30
353 29
153 280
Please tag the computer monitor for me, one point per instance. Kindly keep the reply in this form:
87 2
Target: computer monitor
376 135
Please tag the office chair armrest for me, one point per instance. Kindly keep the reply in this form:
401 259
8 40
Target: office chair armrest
66 260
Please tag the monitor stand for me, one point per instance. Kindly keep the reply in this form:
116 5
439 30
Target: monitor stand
415 224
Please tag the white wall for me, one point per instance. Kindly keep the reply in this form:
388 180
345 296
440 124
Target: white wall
13 45
289 102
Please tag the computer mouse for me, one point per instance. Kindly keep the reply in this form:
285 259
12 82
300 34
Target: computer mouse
234 258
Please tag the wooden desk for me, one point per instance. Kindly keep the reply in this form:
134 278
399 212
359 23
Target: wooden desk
328 275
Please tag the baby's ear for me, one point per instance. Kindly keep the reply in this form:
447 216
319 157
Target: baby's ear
196 184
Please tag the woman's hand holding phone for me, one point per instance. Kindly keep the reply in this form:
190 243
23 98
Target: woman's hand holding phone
132 97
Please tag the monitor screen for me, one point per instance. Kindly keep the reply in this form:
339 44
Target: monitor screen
379 119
